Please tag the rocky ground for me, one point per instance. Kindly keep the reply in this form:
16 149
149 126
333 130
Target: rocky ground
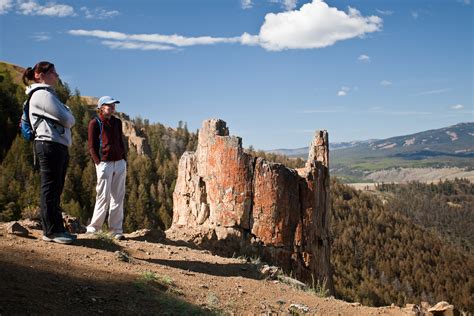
146 274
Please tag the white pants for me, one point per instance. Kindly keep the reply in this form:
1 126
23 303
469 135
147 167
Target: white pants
110 194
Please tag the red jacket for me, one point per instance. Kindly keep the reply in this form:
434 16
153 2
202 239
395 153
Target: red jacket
112 147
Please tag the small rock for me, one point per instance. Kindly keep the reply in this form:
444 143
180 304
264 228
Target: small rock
412 309
270 272
442 307
298 308
356 304
73 224
293 282
144 235
16 229
122 256
281 302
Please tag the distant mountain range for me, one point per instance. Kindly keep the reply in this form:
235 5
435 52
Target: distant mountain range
303 151
451 146
457 140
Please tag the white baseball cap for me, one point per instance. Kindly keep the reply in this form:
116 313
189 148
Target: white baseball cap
106 100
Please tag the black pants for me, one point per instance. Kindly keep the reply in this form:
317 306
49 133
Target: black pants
53 161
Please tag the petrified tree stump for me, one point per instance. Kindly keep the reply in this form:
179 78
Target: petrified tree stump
234 203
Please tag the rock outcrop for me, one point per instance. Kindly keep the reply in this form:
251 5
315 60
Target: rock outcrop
133 139
234 203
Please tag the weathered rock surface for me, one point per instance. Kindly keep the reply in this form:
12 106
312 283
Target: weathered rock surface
134 140
232 202
442 308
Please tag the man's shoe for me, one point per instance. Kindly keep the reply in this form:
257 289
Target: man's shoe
118 236
60 238
91 230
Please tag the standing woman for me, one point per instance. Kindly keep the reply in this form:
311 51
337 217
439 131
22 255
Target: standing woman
52 121
105 139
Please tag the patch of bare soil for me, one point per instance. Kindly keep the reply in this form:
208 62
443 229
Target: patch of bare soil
144 275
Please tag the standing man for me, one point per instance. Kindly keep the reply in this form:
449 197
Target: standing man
108 153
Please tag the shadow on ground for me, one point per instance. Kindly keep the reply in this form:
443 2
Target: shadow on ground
30 290
98 243
230 269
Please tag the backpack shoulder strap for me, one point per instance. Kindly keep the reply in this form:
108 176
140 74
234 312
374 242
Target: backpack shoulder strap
30 94
26 107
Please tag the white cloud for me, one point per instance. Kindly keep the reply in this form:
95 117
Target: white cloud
410 113
248 39
343 91
384 12
315 25
414 15
433 92
136 45
457 107
50 9
375 108
385 83
100 34
326 110
246 4
289 4
176 40
364 58
41 37
5 6
99 13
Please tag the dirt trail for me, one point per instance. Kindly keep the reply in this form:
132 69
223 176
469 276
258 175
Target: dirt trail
161 276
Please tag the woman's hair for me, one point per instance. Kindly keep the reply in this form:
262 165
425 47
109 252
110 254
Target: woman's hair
40 68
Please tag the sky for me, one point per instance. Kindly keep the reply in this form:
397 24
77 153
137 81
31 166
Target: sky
275 70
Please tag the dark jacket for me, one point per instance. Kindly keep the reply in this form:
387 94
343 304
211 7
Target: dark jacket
112 147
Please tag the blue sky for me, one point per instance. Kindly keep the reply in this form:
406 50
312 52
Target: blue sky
274 70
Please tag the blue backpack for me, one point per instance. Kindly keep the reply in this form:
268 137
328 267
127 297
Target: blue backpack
27 131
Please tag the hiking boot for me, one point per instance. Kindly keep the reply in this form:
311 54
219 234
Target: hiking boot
73 237
60 238
118 236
